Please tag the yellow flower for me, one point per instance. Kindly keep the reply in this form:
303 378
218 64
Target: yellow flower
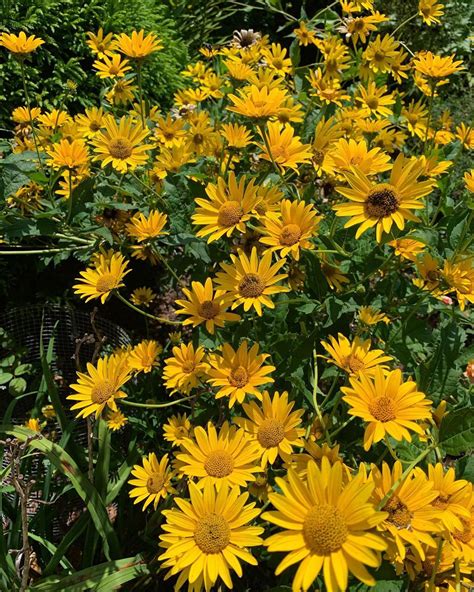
360 27
328 526
304 36
21 115
381 53
20 44
100 45
177 428
355 358
143 227
33 424
469 180
390 406
328 90
275 58
237 136
225 458
143 296
208 536
121 92
204 305
229 206
169 132
99 281
274 425
465 134
121 144
183 370
100 387
334 276
314 453
371 316
111 67
407 248
430 10
251 281
284 148
116 420
238 70
144 356
258 102
238 373
374 101
381 204
68 154
459 275
291 229
349 153
53 120
152 481
435 66
90 122
137 45
463 539
430 272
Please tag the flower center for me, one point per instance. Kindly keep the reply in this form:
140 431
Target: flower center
441 502
277 63
382 201
155 483
382 409
358 24
219 464
102 391
212 534
94 126
188 366
106 283
379 56
198 139
208 309
251 286
290 234
372 102
181 432
270 433
120 148
318 157
239 377
324 530
465 535
399 514
230 214
353 364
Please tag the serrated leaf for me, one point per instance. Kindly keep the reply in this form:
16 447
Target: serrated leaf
456 434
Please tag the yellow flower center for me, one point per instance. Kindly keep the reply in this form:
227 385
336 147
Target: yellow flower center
106 282
290 234
465 535
353 364
324 530
230 213
102 391
398 513
114 69
120 148
441 502
181 432
251 286
239 377
270 433
212 534
208 309
219 464
188 366
155 483
382 201
382 409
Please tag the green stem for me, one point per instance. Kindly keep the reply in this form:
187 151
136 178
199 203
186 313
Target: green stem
393 454
410 18
342 426
315 399
167 265
148 188
69 211
430 109
154 405
41 251
140 91
146 314
431 586
457 570
28 106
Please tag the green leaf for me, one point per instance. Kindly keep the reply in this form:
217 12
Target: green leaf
17 386
5 377
456 434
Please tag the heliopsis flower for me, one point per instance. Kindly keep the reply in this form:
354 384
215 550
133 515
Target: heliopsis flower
463 539
349 153
208 536
469 180
459 275
275 58
381 204
206 305
53 120
407 248
100 45
122 92
356 28
144 356
435 66
100 386
21 115
373 100
99 281
390 406
412 518
229 205
430 10
328 90
66 154
304 36
237 373
465 134
333 274
251 281
330 527
355 358
238 69
143 296
274 425
111 67
283 147
121 144
143 227
381 52
225 458
314 453
184 368
116 420
177 429
237 136
290 229
20 44
371 316
90 122
137 45
33 424
258 102
430 273
169 131
152 481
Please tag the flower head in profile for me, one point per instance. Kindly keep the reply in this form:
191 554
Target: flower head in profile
20 45
137 45
237 136
469 180
144 356
430 11
335 277
177 429
23 116
99 281
407 248
116 420
283 147
152 481
355 358
33 424
459 276
100 44
142 227
68 154
436 67
143 296
368 315
184 369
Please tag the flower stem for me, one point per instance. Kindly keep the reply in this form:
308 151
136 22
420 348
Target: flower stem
315 399
431 586
393 454
146 314
69 212
154 405
403 23
28 106
140 91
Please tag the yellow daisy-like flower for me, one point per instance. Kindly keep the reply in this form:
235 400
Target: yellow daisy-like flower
251 281
407 248
314 453
469 180
369 315
463 539
208 536
390 406
137 45
430 273
121 144
412 518
258 102
100 45
90 122
238 70
33 424
333 274
328 90
381 53
116 420
237 136
229 207
143 227
143 296
290 229
435 66
111 67
20 44
225 458
99 281
275 58
183 370
68 154
100 387
21 115
274 425
53 120
169 131
430 11
349 153
355 358
144 356
459 275
303 35
373 100
329 526
121 92
177 429
284 148
152 481
382 204
237 373
206 305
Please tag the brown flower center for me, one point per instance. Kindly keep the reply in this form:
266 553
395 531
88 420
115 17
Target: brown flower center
106 282
358 24
212 534
230 214
120 148
219 464
208 309
441 502
382 201
324 530
372 102
239 377
290 234
251 286
382 409
155 483
379 56
102 391
270 433
188 366
318 157
465 535
198 139
399 514
94 126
